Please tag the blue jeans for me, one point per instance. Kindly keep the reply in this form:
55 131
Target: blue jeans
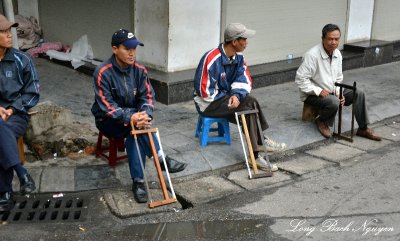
111 128
10 130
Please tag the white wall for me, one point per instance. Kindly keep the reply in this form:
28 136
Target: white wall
360 15
151 27
176 33
194 29
386 25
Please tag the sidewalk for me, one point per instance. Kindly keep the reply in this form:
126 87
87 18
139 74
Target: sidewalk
177 123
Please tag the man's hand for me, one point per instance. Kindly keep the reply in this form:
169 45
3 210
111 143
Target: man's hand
5 114
324 93
342 101
233 102
141 120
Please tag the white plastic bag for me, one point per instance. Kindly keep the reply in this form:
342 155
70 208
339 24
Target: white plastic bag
81 51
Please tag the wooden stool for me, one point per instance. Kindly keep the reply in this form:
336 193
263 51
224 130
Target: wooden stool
20 143
115 145
309 112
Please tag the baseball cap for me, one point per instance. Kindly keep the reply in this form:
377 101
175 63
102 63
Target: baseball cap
5 24
237 30
125 38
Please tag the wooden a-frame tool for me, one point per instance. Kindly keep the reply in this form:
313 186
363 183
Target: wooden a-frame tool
167 199
256 173
339 133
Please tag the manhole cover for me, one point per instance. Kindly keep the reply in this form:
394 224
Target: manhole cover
46 209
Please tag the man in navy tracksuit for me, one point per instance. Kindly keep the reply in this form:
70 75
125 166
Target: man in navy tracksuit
222 85
19 91
123 93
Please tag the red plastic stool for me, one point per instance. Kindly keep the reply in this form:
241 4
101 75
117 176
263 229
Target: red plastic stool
115 146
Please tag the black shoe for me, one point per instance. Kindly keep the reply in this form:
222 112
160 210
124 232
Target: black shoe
27 185
6 202
173 165
139 192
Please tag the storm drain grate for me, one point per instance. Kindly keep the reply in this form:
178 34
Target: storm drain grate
42 209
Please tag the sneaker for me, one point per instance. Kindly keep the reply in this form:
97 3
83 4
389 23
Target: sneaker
274 146
264 165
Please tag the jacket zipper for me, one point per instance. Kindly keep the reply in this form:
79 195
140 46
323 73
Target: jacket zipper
126 89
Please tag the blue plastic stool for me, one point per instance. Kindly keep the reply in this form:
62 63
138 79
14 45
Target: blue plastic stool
204 124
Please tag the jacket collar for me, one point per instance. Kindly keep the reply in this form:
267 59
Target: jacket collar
324 55
9 55
224 57
116 65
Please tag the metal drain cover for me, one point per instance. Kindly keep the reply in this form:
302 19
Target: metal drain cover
42 208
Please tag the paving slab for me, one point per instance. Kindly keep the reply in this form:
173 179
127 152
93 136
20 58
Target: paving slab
206 189
195 160
122 203
389 133
364 143
335 152
241 178
95 177
395 124
35 174
303 164
222 155
175 140
122 174
58 179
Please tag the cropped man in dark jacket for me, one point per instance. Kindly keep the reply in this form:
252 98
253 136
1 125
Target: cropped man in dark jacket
19 91
123 93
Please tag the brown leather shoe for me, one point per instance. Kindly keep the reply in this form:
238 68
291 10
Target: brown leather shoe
323 128
368 133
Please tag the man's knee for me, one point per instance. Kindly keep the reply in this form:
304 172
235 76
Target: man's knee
331 103
250 100
360 93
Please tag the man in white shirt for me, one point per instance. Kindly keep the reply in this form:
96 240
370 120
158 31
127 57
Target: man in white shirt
316 77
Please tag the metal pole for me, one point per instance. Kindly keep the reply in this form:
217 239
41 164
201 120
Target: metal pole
9 12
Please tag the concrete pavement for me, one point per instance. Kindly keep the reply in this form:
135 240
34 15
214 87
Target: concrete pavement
217 170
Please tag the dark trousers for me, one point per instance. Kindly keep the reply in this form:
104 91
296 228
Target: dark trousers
219 108
10 130
329 105
111 128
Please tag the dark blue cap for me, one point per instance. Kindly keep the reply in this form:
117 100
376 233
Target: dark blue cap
125 38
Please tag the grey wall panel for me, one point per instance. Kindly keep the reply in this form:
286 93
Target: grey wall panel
66 21
386 22
285 26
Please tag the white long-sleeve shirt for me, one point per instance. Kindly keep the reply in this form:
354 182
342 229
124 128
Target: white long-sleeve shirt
318 72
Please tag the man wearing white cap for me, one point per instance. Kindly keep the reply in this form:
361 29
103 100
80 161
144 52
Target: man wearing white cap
222 85
19 91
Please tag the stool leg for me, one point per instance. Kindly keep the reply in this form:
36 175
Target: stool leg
99 150
21 150
221 129
112 154
204 133
199 126
121 145
227 133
